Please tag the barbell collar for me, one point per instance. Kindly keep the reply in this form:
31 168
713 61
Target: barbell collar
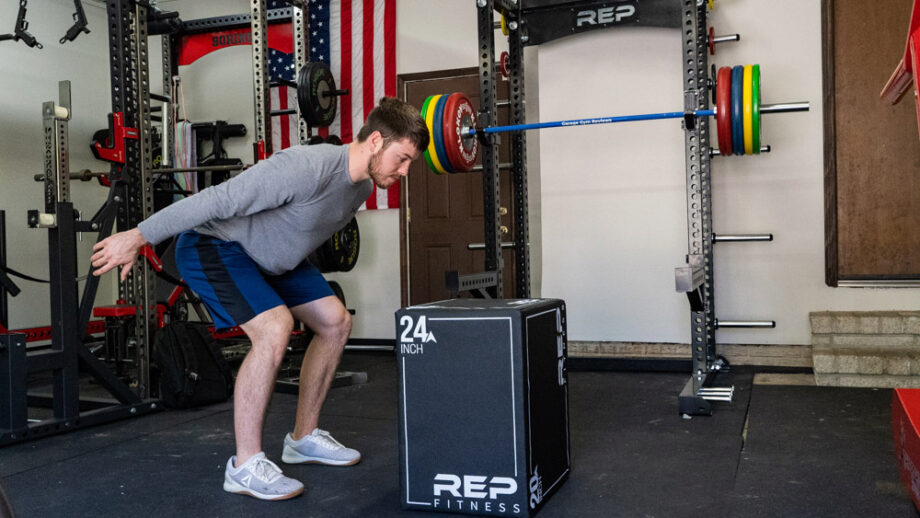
735 238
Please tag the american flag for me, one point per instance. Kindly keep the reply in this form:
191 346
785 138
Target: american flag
284 127
357 39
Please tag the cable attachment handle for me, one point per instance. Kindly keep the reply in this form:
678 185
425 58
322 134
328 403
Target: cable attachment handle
79 23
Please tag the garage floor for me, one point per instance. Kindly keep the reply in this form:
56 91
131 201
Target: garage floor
777 450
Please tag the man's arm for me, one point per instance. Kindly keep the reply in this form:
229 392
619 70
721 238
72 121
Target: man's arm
264 186
117 250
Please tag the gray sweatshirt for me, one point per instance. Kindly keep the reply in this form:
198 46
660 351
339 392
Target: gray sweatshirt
279 210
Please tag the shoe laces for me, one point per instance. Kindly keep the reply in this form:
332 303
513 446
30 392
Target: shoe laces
265 470
322 436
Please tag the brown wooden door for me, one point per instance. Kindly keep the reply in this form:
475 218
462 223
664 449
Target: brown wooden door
441 214
872 157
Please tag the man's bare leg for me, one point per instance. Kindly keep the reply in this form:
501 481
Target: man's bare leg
331 325
269 332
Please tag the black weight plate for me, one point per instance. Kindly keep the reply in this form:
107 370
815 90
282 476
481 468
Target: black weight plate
314 83
318 259
341 250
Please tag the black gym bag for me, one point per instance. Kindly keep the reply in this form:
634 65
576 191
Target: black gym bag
192 370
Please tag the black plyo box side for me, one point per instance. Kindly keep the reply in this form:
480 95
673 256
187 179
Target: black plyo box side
483 405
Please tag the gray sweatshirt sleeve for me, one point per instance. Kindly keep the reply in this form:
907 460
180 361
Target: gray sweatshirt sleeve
266 185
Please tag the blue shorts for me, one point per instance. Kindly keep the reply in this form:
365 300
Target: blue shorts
233 286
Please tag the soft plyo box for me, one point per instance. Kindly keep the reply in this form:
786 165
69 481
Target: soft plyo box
483 405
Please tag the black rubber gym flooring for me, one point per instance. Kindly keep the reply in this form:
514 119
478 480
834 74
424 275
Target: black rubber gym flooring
776 451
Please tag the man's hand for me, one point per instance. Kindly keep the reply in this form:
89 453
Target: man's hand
117 250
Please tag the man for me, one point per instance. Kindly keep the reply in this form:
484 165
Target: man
242 248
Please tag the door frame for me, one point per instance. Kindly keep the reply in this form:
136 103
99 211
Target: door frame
402 83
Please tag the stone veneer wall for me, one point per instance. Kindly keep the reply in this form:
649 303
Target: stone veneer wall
866 349
736 354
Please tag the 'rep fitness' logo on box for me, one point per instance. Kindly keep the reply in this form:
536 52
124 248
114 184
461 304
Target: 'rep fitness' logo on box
473 493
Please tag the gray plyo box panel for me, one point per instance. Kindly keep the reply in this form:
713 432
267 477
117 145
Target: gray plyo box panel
483 405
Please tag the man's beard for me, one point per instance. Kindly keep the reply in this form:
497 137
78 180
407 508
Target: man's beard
373 169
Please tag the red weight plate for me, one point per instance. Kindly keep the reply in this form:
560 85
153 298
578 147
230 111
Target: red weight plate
459 115
506 64
449 123
723 110
712 42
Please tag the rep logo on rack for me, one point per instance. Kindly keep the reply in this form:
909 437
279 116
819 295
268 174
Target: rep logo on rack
606 15
414 334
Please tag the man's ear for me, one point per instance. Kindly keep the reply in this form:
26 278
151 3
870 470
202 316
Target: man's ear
376 139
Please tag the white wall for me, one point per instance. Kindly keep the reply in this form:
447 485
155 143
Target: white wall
30 77
613 197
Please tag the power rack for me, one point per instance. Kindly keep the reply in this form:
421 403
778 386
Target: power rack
533 22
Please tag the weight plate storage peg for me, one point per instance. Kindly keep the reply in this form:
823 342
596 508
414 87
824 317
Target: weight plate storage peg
316 94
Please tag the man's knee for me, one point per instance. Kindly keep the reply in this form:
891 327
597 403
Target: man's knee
271 331
338 327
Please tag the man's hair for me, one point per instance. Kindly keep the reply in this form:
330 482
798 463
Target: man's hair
396 120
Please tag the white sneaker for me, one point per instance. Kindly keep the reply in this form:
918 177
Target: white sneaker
318 448
261 478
